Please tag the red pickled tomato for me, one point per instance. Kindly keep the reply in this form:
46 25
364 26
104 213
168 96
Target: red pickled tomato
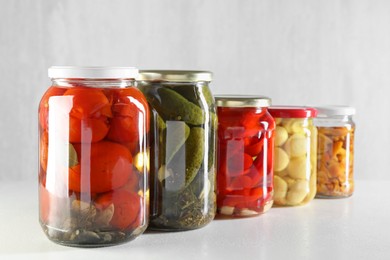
88 129
128 105
127 207
133 183
124 129
43 149
110 166
44 104
88 102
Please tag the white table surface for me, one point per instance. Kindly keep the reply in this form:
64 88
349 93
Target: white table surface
354 228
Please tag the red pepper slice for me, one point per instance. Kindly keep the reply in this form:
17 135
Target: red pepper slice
254 145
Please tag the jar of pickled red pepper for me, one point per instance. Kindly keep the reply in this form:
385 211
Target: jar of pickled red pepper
93 127
245 155
336 133
295 165
182 170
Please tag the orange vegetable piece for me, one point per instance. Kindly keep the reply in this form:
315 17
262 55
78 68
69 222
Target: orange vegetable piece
127 207
109 167
43 149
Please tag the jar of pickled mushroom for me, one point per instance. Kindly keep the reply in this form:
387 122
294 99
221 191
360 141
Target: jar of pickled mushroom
93 126
245 155
336 132
295 165
182 168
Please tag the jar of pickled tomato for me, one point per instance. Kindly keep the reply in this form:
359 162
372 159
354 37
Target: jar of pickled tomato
295 165
244 155
93 151
183 126
336 133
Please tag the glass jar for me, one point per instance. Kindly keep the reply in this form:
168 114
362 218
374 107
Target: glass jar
295 165
336 133
93 127
245 155
183 125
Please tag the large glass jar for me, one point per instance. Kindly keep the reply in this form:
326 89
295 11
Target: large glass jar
93 127
336 133
295 165
245 155
183 125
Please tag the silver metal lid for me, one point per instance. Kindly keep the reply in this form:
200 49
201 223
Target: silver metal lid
242 101
175 75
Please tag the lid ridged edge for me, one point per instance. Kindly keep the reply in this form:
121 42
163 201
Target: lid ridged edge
242 101
175 75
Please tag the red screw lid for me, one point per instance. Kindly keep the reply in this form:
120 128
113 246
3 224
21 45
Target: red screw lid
292 111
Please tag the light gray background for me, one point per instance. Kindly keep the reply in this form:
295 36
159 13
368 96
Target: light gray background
297 52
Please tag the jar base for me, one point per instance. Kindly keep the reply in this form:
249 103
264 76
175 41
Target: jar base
88 238
322 196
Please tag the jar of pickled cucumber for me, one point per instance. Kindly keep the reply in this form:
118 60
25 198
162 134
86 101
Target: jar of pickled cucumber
244 155
93 151
336 132
295 165
182 168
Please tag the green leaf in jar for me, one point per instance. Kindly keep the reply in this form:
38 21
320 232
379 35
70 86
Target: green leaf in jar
72 156
176 107
177 133
194 153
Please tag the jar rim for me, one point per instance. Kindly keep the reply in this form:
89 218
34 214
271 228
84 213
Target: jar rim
92 72
175 75
293 111
242 101
335 110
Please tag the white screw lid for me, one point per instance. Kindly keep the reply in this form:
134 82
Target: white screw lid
74 72
325 111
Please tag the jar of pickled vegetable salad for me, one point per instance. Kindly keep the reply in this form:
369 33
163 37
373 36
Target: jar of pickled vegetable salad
183 125
245 155
336 133
295 165
93 127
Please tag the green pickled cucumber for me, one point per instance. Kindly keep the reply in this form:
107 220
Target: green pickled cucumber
194 153
175 107
208 96
193 93
177 133
160 123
